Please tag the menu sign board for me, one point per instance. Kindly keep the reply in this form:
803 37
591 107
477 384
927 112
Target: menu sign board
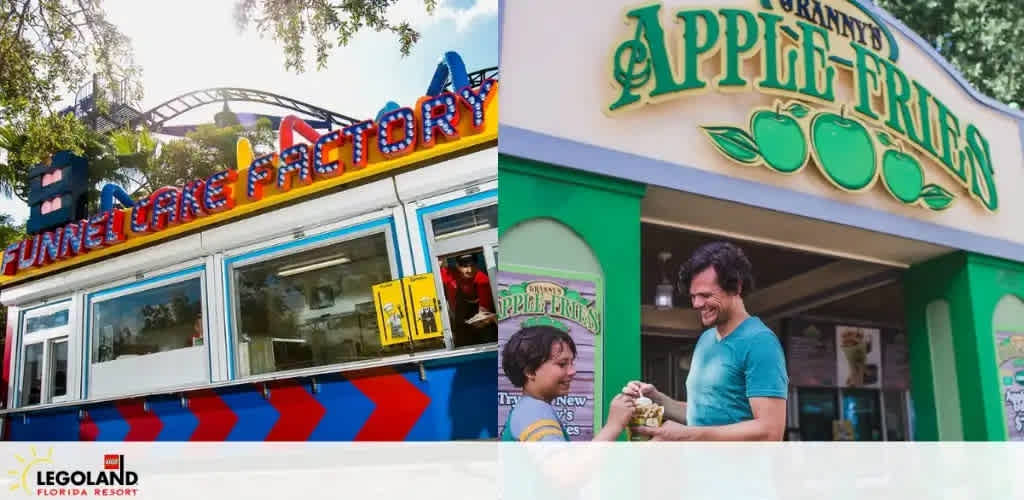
895 360
567 304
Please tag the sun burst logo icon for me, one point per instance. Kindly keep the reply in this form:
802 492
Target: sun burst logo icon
21 477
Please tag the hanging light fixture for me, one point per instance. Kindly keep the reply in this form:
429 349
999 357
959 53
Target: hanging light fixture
664 292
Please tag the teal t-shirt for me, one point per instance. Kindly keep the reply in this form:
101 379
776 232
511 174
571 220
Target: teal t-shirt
748 363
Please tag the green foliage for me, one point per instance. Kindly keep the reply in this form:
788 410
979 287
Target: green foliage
207 150
980 38
51 48
292 23
10 232
31 142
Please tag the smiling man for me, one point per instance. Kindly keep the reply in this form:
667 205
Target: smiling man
737 384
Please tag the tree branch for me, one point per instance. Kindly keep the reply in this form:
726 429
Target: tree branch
21 21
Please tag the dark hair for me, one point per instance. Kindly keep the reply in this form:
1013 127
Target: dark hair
730 264
529 348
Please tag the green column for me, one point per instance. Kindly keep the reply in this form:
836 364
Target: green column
950 302
605 213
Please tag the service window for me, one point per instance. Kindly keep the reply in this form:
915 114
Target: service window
148 335
464 244
44 355
311 305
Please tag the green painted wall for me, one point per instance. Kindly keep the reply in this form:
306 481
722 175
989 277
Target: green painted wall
992 280
972 285
605 214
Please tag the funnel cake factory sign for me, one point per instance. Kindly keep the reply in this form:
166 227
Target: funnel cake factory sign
883 135
435 126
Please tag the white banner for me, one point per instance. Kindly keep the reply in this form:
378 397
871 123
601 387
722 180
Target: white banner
486 470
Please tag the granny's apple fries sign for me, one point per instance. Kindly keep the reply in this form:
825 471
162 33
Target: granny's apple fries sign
801 45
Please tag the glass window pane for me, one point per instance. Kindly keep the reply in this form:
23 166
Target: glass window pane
895 416
313 308
468 222
151 321
817 412
46 321
59 368
32 378
861 408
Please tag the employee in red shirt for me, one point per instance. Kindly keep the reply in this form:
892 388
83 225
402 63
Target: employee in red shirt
468 291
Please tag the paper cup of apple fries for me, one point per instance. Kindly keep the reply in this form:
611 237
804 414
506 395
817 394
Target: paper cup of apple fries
648 414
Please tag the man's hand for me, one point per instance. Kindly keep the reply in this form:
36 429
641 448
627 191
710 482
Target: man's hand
768 425
674 410
637 389
669 431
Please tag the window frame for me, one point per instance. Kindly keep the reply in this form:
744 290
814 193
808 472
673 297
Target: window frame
425 211
165 276
46 338
295 244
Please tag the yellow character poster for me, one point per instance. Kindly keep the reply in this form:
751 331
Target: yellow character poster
392 317
421 294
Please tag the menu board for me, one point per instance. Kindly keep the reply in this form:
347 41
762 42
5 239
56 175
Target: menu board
895 360
568 304
811 354
1010 358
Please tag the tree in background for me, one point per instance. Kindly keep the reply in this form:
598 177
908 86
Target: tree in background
204 151
50 48
979 38
31 142
291 22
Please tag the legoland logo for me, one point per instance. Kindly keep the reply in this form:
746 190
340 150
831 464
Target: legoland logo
37 476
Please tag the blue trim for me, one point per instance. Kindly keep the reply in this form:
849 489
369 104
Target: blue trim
916 39
282 247
87 333
1020 130
571 154
422 212
206 321
19 342
398 252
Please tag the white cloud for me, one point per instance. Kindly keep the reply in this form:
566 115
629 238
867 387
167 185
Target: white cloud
416 14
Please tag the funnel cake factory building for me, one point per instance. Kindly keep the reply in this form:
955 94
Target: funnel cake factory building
311 293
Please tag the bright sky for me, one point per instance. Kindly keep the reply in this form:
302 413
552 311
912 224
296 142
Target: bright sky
189 45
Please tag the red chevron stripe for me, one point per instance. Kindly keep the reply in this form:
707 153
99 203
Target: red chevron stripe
142 425
87 429
215 417
399 405
299 412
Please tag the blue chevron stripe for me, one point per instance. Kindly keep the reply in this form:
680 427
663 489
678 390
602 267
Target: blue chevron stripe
255 414
179 423
109 422
463 403
347 409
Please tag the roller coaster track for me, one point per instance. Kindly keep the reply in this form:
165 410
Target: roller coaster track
155 119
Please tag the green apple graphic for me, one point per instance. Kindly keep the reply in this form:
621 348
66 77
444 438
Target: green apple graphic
780 140
844 150
902 174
